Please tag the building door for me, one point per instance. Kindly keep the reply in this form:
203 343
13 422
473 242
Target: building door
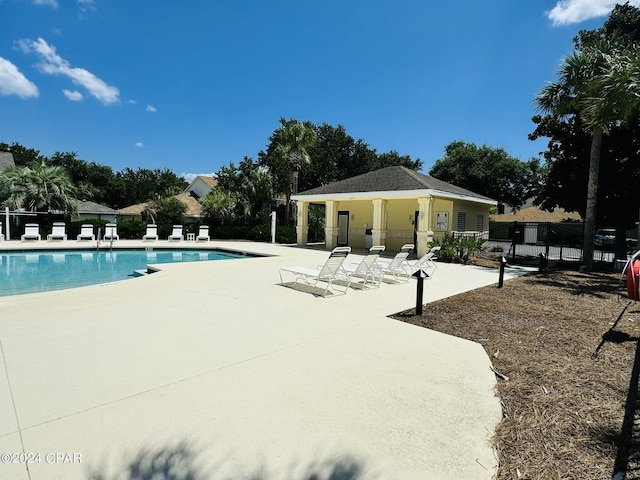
343 228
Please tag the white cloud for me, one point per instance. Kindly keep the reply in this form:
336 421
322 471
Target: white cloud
54 64
13 82
575 11
74 96
139 144
150 108
190 176
52 3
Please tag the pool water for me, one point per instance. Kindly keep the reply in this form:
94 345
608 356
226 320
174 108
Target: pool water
41 271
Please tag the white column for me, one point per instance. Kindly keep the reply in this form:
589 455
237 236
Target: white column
331 224
379 229
302 223
424 233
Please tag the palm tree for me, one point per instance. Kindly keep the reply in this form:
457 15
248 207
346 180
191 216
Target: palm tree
293 139
225 207
589 87
38 186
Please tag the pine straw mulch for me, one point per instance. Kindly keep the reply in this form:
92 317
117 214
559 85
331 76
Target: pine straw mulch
563 362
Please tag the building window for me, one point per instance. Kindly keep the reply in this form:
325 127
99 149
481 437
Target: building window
462 221
480 222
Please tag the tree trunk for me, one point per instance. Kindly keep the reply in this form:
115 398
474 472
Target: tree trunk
592 196
287 209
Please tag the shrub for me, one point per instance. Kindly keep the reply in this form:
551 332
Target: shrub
132 228
260 233
457 249
230 232
286 234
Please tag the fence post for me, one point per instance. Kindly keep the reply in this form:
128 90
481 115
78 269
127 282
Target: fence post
513 241
548 241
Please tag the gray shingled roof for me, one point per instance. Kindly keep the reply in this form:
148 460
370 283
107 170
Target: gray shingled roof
85 206
390 179
6 160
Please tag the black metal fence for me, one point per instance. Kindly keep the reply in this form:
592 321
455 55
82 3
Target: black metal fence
524 242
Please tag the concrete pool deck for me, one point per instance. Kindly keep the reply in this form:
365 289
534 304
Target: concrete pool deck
216 370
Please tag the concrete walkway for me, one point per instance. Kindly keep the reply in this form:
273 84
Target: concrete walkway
216 370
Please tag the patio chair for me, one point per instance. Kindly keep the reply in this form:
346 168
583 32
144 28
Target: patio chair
86 232
58 231
203 233
329 273
151 233
31 232
368 270
398 267
176 234
111 232
425 262
1 234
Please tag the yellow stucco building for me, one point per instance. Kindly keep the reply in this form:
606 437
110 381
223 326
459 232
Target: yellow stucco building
392 206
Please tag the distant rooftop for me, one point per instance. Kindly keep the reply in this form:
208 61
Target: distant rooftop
6 160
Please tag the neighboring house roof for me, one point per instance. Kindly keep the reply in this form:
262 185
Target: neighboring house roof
136 209
211 181
391 181
6 160
87 207
194 208
201 185
535 214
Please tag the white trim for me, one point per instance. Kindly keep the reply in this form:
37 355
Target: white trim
390 194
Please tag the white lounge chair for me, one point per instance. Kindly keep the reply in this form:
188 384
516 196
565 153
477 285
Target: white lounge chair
86 232
31 232
368 269
152 232
1 234
425 262
203 233
58 231
398 267
329 273
176 234
111 232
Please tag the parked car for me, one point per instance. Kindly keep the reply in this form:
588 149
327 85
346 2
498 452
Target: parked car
605 237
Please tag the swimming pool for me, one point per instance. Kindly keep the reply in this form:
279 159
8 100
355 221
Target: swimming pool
41 271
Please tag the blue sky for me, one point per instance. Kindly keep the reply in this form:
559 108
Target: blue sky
194 85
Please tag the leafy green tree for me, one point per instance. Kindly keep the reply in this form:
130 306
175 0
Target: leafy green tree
336 155
393 158
93 181
168 211
250 184
143 184
593 92
36 187
288 151
491 172
22 156
222 207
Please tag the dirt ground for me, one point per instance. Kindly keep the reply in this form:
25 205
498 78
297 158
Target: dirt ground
565 354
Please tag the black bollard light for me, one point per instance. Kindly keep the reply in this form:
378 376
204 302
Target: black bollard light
503 263
420 275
